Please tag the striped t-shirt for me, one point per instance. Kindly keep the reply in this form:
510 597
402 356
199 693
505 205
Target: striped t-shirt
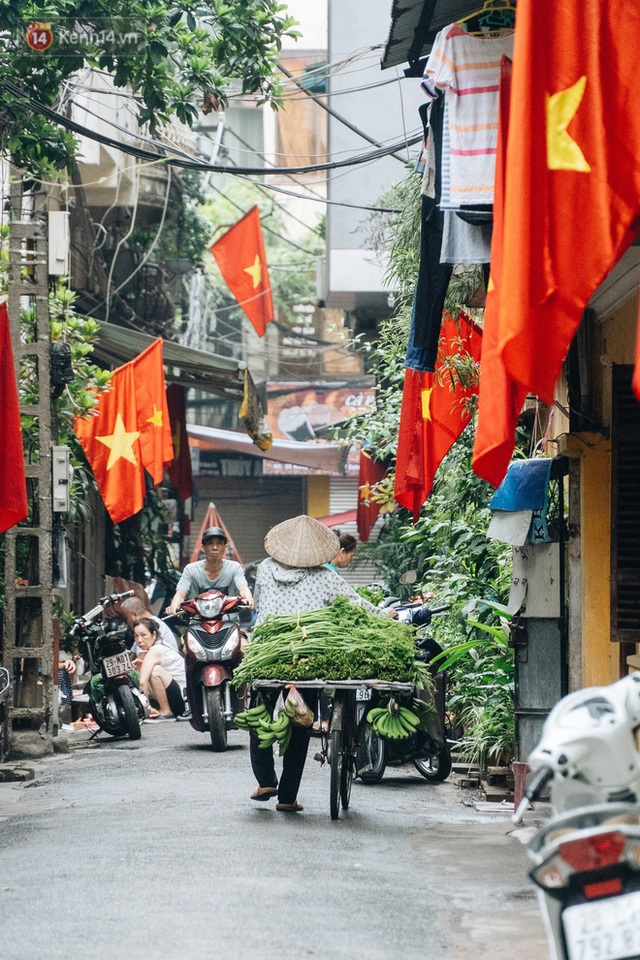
467 68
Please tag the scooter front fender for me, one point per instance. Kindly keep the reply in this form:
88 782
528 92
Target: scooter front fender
214 674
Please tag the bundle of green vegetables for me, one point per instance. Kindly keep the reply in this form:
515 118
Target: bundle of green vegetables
340 642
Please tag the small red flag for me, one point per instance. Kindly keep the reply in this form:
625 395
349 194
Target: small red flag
371 472
13 485
180 469
153 414
241 257
111 442
500 398
433 415
572 193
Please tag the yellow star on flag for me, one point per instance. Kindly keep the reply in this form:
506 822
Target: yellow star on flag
255 271
120 443
156 418
563 153
176 438
365 491
425 396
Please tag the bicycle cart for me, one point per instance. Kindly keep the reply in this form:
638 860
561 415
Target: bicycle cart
349 702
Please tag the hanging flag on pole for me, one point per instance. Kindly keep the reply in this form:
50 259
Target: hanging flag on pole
13 485
500 399
153 413
572 192
111 442
242 260
371 472
180 469
433 415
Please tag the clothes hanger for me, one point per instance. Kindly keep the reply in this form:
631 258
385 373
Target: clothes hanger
495 16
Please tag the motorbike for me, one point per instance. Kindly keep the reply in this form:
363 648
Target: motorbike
587 855
428 750
213 647
117 705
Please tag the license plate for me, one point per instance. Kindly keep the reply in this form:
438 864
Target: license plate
605 929
363 693
117 665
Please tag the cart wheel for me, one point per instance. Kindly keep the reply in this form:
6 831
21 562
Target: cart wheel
346 778
335 742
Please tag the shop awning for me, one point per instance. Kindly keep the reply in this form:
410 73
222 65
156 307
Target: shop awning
414 25
327 457
184 365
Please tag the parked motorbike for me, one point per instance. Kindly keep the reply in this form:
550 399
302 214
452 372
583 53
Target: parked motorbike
116 703
213 647
428 750
587 856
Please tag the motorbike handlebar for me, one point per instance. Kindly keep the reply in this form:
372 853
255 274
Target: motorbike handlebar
116 597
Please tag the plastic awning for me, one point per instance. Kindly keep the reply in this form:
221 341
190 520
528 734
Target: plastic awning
327 457
184 365
414 25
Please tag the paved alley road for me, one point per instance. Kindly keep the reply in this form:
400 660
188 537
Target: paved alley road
154 851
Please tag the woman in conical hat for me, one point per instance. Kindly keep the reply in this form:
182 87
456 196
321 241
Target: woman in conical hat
292 578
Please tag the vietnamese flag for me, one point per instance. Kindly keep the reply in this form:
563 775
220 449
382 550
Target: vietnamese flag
153 413
371 472
433 414
111 442
241 257
500 399
180 469
572 193
13 485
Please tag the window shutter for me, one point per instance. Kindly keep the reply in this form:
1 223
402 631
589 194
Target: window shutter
625 510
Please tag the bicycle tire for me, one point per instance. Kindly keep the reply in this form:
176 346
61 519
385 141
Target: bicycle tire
335 787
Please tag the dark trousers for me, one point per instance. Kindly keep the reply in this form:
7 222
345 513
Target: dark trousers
262 759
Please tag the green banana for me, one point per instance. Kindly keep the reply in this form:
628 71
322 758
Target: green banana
408 716
256 711
375 713
241 721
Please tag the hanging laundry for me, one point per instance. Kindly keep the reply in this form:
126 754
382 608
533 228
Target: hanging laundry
467 68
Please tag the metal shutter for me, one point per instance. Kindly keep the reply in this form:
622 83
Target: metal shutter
625 510
343 496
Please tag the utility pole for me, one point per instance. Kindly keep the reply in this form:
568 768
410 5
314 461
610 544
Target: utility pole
28 634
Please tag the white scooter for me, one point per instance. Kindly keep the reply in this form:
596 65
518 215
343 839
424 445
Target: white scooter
587 856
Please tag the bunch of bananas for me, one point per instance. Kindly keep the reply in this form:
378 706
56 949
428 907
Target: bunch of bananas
393 722
250 719
269 731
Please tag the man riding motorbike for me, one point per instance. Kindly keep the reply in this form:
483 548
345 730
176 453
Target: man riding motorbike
213 573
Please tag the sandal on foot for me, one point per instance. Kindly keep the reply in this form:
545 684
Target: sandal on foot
264 793
294 807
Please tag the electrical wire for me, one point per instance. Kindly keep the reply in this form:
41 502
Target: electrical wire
55 117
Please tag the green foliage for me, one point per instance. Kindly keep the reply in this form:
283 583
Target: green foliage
184 53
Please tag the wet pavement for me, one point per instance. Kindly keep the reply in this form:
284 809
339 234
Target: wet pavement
154 851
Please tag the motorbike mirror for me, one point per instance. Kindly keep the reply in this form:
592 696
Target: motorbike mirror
409 576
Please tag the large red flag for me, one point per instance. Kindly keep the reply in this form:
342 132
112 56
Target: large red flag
500 399
13 486
573 174
111 442
153 414
371 472
433 415
180 469
241 257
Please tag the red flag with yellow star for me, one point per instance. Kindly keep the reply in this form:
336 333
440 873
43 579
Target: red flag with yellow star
241 257
572 193
111 442
153 414
371 472
13 485
500 399
180 469
433 414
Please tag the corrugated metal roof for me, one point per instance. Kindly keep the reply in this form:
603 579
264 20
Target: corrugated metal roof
415 23
183 365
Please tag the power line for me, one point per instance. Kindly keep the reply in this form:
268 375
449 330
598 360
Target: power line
194 164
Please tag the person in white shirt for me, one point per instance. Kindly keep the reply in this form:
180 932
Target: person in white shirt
162 674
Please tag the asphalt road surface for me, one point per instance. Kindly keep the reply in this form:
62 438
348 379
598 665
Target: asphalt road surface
154 851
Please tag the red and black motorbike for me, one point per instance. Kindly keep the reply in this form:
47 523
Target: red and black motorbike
212 647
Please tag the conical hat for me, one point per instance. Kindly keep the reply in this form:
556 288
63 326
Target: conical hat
302 542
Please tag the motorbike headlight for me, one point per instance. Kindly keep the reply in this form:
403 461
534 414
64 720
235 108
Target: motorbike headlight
229 646
196 647
209 608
